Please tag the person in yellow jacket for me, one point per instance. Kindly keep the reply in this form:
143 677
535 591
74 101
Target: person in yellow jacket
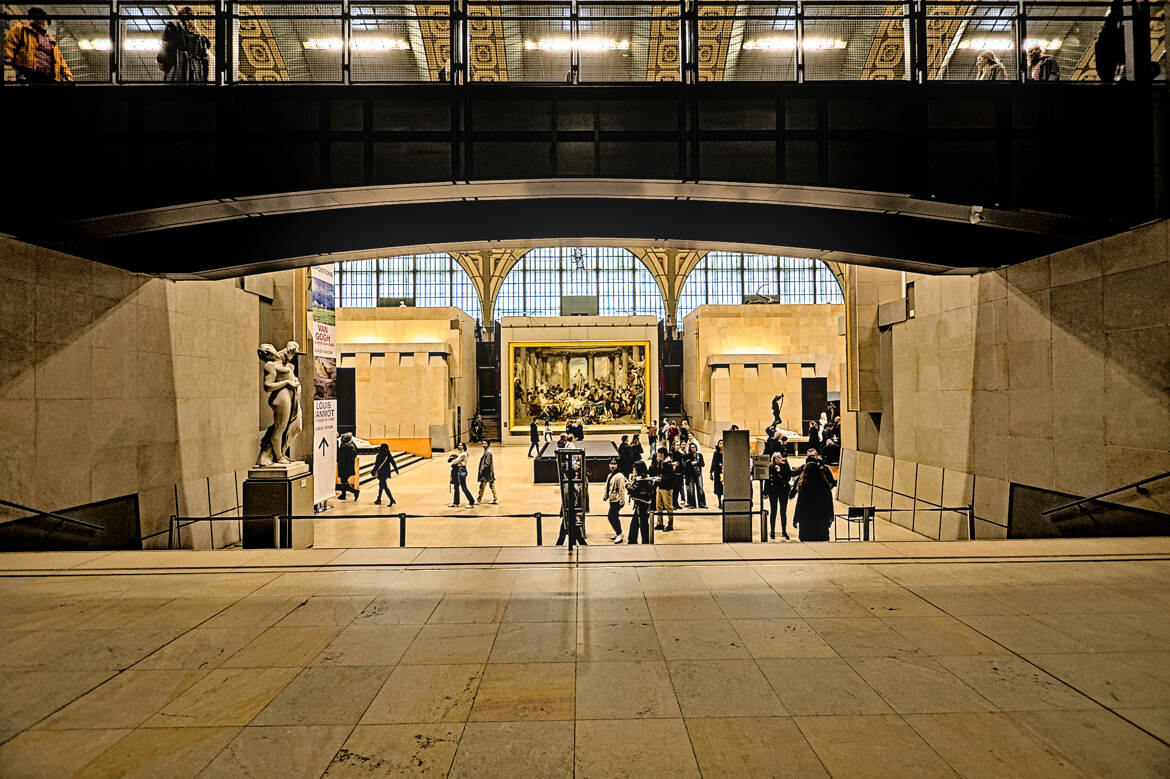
33 53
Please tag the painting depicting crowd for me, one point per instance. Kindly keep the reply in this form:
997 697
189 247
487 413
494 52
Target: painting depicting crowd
598 384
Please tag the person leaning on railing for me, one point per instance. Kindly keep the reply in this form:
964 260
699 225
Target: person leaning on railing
183 55
989 68
33 53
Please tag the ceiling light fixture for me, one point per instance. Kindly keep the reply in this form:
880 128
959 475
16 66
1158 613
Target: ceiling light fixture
789 44
130 44
1004 44
355 44
583 44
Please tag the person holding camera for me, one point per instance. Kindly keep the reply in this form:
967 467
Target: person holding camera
814 493
458 462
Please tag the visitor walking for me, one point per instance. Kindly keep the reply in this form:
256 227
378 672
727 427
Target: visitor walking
534 437
641 491
615 494
347 453
813 491
486 473
778 484
383 465
717 471
458 462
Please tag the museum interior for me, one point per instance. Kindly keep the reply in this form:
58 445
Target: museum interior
585 388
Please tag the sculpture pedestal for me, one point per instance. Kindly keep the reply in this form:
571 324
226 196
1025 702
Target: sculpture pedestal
278 491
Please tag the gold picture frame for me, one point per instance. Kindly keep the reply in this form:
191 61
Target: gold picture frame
586 349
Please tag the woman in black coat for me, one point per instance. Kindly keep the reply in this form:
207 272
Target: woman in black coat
625 461
717 472
383 465
696 496
779 476
814 493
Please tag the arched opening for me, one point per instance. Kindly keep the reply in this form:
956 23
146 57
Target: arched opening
420 280
732 278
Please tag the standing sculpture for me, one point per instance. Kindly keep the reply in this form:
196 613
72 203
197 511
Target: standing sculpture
777 404
284 396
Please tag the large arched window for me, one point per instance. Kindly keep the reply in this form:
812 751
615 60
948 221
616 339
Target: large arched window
622 284
728 277
424 280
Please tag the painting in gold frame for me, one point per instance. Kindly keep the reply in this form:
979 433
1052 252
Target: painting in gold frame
605 383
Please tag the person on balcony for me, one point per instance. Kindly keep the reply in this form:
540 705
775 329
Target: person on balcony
183 55
1041 67
33 53
989 68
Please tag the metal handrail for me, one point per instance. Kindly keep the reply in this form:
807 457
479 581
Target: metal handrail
1135 485
59 517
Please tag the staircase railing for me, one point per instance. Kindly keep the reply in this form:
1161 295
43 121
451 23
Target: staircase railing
1137 485
61 518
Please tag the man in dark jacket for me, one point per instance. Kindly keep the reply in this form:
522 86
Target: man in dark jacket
663 469
813 490
347 453
486 472
533 438
625 460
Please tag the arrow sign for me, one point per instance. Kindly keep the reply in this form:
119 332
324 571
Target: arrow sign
323 446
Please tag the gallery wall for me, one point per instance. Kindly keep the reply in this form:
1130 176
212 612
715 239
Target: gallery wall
1053 374
118 384
413 368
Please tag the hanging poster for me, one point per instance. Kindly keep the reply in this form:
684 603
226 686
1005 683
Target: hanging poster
322 324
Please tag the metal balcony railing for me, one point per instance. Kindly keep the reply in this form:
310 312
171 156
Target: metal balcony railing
593 41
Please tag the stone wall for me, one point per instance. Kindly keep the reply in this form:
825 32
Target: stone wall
788 342
413 368
117 384
1053 374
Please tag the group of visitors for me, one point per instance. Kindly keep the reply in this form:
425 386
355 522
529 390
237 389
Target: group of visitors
33 54
601 401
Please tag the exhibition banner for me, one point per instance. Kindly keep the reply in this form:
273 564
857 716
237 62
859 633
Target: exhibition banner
322 324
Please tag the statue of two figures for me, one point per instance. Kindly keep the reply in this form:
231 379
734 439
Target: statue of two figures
284 396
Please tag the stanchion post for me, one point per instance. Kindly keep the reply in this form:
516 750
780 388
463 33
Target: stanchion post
539 529
402 529
970 522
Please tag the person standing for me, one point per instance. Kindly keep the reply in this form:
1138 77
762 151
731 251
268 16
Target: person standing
1041 67
534 437
696 495
635 451
663 469
183 53
652 435
458 462
33 53
988 67
679 462
779 478
383 465
625 461
717 471
347 453
615 493
486 473
813 491
547 432
641 492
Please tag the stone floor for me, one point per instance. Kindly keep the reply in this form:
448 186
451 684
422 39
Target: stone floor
1039 658
423 489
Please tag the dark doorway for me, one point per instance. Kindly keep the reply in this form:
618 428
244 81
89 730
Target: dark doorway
346 405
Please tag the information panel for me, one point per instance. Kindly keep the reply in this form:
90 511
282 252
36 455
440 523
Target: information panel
323 326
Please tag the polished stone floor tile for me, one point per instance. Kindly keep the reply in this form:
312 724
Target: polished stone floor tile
1024 635
126 701
781 638
698 639
27 696
738 747
624 748
753 604
325 696
612 607
525 691
541 607
822 603
913 685
821 686
362 644
1111 632
671 606
158 752
988 745
395 608
425 693
723 688
300 752
465 608
883 601
1081 735
496 749
600 641
54 753
1155 721
254 611
425 749
871 746
226 696
283 647
535 642
1014 684
625 690
1106 678
83 650
326 610
182 613
203 648
451 644
862 637
960 601
943 635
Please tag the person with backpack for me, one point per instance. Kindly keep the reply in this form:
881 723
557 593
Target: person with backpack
347 453
458 462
